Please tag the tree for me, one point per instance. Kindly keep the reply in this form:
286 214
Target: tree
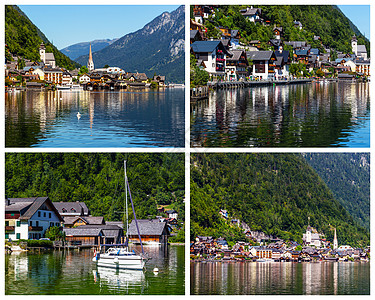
55 234
83 70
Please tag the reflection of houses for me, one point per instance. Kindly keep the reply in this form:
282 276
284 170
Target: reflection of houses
151 231
29 218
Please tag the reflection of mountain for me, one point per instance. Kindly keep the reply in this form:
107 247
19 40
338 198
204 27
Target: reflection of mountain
310 115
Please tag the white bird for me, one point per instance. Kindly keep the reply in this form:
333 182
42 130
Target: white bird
78 115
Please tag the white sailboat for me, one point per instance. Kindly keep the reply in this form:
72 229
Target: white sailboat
118 257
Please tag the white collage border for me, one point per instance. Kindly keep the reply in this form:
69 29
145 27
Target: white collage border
187 149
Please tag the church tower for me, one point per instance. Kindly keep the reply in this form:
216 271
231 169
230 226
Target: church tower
42 53
90 63
335 244
354 45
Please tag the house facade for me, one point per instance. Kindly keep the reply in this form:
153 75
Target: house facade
29 218
151 231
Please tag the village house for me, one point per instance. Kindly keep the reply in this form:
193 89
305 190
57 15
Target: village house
213 54
159 79
282 63
29 218
47 58
263 63
70 222
53 75
237 64
252 14
72 209
172 214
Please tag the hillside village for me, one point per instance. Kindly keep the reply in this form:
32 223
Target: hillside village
261 247
20 72
222 53
31 218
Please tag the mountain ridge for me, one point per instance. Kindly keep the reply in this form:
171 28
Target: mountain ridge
158 48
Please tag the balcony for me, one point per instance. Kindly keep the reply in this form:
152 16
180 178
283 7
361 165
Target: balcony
35 228
9 228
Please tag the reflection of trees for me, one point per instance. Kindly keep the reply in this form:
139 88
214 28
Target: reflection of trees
296 115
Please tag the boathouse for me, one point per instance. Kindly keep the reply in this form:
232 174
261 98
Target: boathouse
151 231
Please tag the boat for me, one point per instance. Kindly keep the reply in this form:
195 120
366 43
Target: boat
77 87
119 256
264 260
63 87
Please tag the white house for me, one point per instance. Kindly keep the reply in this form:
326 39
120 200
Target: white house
263 63
213 54
84 79
29 218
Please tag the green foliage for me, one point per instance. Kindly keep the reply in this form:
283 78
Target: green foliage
83 70
273 193
54 233
23 38
39 243
298 69
348 177
98 180
197 75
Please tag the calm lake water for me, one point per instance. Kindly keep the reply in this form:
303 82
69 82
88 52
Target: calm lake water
108 119
73 273
275 278
335 114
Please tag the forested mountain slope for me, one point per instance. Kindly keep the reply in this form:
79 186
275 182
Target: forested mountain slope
23 39
98 180
348 177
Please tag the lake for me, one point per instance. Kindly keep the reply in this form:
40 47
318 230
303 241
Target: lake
334 114
275 278
73 273
108 118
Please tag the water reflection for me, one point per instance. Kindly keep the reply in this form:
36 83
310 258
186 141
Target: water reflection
73 273
328 278
117 119
307 115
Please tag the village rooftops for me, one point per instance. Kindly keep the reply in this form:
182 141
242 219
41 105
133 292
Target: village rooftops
72 208
250 11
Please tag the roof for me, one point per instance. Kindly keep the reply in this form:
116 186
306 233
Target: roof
147 227
250 11
361 49
236 54
83 231
72 208
296 44
301 52
29 206
49 56
89 220
259 55
284 54
207 46
193 33
314 51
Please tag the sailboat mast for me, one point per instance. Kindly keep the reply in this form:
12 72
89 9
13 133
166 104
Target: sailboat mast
126 202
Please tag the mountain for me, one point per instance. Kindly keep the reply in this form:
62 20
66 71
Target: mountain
23 38
156 48
348 177
80 49
270 192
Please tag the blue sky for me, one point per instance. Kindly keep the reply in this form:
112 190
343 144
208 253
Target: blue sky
65 25
360 17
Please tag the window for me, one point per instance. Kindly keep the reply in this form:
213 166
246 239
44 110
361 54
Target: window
39 214
7 235
18 236
44 214
18 223
6 223
31 223
50 215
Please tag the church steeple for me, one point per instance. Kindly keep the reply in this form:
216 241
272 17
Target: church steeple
335 244
90 63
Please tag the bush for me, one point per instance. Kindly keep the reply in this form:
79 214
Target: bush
39 243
